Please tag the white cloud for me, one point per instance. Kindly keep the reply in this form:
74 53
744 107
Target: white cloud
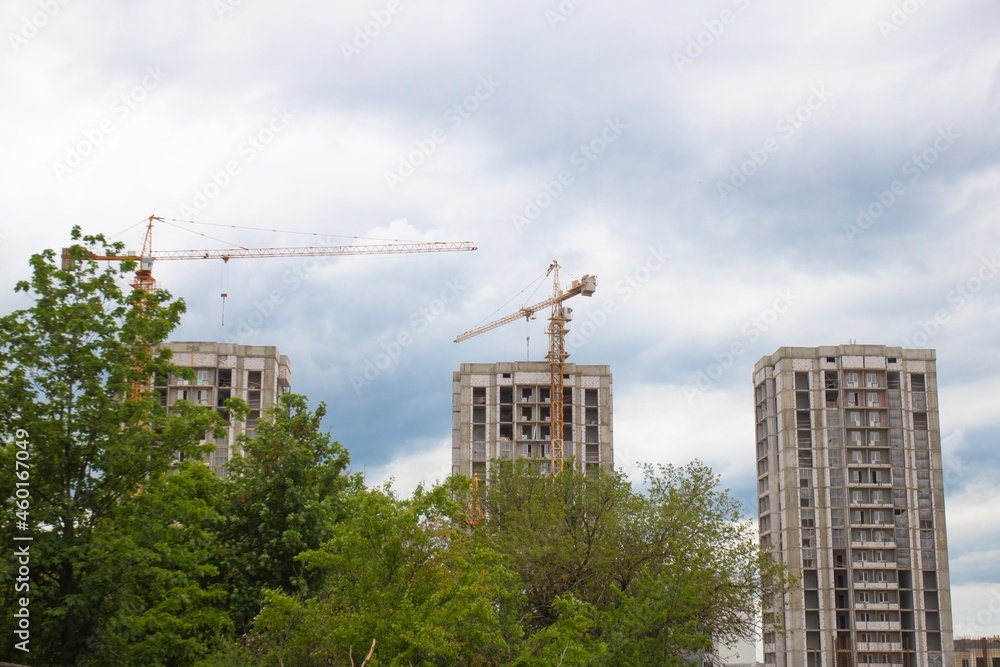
427 465
976 609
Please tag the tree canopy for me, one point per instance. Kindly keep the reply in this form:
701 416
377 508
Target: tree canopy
565 570
68 365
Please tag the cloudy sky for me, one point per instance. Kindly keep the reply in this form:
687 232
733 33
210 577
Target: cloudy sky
738 172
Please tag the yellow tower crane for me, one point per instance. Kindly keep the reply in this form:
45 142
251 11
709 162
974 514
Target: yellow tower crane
145 282
144 273
557 354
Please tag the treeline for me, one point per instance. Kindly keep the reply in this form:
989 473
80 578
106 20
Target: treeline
134 553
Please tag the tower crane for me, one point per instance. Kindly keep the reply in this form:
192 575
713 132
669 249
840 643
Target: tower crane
557 354
144 273
145 282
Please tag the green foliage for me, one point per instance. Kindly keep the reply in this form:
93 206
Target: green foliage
571 570
572 639
168 607
282 496
404 573
659 574
560 534
68 365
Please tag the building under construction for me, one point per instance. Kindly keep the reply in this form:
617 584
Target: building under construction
851 499
256 373
979 652
503 411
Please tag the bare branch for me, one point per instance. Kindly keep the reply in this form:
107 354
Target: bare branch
368 657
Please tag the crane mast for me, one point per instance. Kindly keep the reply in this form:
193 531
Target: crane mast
557 362
557 330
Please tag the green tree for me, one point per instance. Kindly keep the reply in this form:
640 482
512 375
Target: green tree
283 496
656 575
169 607
403 579
570 570
692 571
69 368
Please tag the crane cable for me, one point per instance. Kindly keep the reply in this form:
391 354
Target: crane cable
290 231
523 290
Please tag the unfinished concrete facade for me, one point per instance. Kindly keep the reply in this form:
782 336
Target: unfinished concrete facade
502 411
850 498
256 373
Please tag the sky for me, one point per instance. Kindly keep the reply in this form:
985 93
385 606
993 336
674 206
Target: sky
740 175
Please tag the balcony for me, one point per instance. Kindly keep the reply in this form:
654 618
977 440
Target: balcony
870 524
861 626
855 544
876 585
873 565
869 485
876 606
880 647
872 504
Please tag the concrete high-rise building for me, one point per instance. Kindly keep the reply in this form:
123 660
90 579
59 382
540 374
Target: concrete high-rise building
851 500
258 374
502 411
